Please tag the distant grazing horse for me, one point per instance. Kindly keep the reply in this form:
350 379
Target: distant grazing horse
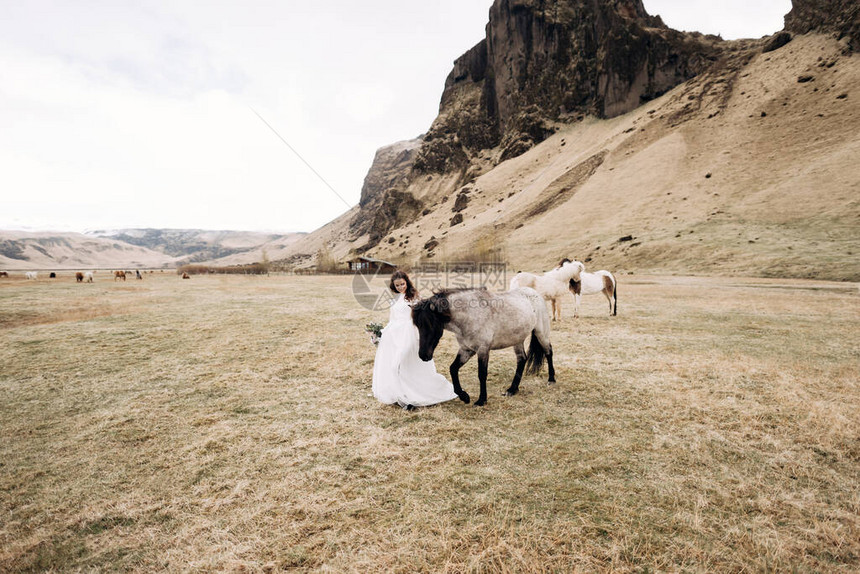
52 275
88 276
32 275
119 275
484 321
79 277
185 275
552 285
4 274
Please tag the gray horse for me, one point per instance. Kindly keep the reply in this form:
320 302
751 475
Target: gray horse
485 321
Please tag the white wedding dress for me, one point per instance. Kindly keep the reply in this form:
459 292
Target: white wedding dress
399 375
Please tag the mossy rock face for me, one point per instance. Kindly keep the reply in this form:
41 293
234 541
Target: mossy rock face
777 41
543 62
384 203
516 146
395 209
576 56
841 17
441 154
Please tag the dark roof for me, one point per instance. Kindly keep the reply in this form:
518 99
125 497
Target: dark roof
372 260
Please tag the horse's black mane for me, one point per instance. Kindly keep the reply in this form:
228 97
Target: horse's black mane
438 303
433 310
451 290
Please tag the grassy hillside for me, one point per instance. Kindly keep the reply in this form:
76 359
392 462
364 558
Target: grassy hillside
747 170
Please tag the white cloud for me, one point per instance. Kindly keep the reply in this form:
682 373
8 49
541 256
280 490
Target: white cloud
142 114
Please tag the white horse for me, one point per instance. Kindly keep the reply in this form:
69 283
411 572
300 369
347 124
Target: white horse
552 285
88 276
32 275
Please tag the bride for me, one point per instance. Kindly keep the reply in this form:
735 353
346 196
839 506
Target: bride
399 376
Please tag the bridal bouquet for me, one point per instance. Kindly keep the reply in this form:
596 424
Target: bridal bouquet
375 330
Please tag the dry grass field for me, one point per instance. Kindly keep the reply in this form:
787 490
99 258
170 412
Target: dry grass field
225 423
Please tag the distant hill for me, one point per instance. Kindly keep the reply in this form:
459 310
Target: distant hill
203 246
137 248
51 250
590 130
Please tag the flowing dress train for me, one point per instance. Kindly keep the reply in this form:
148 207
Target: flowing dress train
399 375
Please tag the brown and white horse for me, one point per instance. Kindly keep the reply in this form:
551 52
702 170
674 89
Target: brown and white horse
119 275
598 282
590 283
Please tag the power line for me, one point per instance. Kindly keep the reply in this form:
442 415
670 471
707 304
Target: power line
298 155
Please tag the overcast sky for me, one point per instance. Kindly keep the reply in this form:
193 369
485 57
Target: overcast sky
148 114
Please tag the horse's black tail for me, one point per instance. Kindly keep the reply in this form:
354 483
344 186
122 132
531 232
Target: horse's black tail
536 356
615 296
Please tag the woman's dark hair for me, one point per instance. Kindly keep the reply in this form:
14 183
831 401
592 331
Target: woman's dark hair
411 292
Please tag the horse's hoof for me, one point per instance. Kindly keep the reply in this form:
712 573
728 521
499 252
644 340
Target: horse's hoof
465 398
480 403
510 393
551 382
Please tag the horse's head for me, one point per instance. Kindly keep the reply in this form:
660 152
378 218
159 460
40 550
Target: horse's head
430 316
571 270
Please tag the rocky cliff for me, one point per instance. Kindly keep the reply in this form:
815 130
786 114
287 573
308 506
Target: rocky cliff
541 62
545 61
575 124
840 17
384 202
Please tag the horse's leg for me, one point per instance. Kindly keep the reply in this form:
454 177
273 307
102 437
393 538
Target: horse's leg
521 365
483 362
543 339
460 360
608 288
551 369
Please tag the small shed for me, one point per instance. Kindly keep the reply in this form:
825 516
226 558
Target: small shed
370 265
